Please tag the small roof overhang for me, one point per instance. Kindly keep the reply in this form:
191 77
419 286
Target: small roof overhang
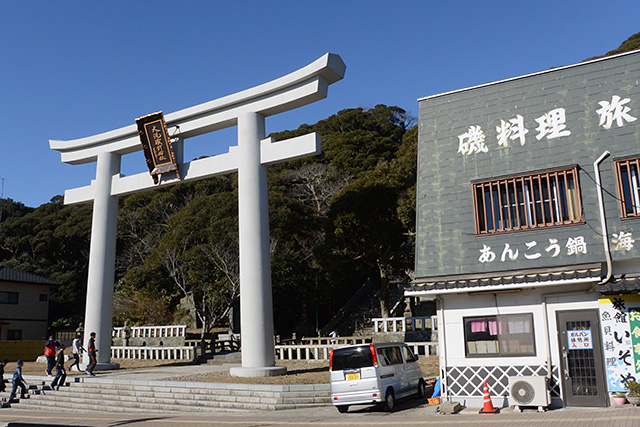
567 275
624 283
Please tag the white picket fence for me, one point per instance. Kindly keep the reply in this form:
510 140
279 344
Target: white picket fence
322 351
153 353
151 331
315 349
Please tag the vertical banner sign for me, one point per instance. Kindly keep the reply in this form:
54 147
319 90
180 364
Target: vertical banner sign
634 325
156 145
620 323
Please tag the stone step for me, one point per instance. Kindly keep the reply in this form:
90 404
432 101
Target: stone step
148 403
152 404
80 407
221 390
175 398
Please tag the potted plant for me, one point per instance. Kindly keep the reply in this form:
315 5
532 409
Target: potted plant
633 396
620 397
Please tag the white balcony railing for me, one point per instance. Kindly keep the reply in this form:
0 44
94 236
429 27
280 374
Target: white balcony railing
153 353
151 331
404 324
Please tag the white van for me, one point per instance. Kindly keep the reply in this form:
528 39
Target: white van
374 374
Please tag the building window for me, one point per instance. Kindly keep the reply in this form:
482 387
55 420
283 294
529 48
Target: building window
527 202
628 187
14 334
44 297
8 297
502 335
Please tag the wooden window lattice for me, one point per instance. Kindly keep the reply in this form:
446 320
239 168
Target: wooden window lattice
525 202
628 187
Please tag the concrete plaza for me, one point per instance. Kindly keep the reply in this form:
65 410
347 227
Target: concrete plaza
409 412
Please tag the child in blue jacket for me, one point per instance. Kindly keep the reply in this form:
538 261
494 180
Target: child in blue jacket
18 380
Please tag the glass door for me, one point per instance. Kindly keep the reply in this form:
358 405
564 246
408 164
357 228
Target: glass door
581 362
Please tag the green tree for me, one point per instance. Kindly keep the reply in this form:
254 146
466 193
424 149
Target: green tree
366 228
196 256
631 44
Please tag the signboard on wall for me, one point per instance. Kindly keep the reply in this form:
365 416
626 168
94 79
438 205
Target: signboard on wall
620 322
156 145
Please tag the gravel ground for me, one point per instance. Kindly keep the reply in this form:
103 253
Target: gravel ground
298 372
301 372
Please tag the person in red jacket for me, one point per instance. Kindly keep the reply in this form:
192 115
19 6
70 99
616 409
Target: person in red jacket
50 354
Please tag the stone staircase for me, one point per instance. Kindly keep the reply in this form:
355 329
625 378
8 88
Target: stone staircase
33 390
96 394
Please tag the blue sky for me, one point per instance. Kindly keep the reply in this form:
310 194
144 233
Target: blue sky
75 69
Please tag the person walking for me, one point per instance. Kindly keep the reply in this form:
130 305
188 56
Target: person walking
77 350
333 334
18 381
91 351
61 375
50 354
2 365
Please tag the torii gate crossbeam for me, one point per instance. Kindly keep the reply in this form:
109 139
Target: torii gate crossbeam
247 110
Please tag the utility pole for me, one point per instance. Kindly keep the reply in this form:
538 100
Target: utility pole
1 202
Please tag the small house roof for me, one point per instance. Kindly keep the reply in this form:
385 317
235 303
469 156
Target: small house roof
8 274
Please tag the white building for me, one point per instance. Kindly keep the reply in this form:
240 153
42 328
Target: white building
510 226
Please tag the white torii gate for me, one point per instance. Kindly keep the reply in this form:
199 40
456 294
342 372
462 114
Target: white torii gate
247 110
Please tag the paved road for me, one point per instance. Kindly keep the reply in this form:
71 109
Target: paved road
407 415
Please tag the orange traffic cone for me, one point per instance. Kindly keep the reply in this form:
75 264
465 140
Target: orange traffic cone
488 406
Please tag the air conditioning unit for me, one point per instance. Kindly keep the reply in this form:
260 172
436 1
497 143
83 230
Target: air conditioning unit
529 391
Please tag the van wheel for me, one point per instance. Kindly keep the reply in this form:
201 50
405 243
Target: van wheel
422 392
343 409
389 401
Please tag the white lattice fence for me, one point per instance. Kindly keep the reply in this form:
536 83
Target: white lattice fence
469 380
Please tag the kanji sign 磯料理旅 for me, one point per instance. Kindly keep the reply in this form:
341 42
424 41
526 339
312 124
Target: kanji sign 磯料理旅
550 125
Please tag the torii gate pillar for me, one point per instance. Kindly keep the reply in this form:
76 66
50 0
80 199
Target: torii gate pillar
256 305
102 258
247 110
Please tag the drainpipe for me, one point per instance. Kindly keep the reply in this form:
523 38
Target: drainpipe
546 336
603 220
444 392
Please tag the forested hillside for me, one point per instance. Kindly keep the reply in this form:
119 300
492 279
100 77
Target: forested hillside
335 220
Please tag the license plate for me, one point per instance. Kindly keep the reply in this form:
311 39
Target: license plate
355 376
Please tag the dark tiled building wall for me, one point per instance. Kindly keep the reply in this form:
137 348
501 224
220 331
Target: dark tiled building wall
446 241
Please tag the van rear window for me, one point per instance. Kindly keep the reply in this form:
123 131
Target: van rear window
352 358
